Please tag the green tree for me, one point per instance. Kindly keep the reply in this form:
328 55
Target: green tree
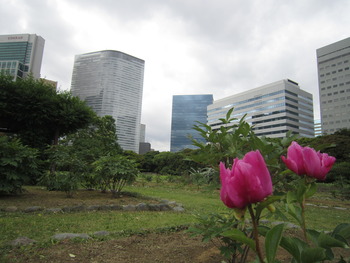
39 115
85 147
173 163
147 162
114 172
69 170
18 165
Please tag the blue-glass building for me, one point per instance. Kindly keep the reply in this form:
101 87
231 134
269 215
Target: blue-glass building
21 54
186 112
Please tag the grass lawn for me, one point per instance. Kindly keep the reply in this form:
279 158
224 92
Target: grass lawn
40 226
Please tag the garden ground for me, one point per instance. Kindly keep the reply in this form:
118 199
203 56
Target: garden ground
168 245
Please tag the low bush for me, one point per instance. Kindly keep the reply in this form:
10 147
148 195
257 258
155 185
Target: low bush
18 165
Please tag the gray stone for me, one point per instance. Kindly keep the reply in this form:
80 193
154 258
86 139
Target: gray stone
22 241
142 207
10 209
178 209
164 207
310 204
105 207
54 210
324 206
172 203
340 208
288 225
129 208
77 208
154 207
32 209
93 207
116 207
101 233
63 236
164 201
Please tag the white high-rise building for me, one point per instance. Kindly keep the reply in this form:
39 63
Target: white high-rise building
333 63
111 82
272 110
21 54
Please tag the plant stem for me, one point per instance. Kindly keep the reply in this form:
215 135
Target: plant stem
255 233
303 226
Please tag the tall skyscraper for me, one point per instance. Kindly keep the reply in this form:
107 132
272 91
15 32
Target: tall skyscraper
272 110
334 85
21 54
111 82
187 111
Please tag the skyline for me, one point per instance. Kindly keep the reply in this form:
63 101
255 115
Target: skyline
190 47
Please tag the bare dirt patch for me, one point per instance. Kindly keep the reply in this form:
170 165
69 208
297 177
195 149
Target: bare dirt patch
154 247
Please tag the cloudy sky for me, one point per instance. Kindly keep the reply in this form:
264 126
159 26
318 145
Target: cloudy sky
219 47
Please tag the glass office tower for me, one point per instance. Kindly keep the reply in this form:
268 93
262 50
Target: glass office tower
333 62
272 110
111 82
186 112
21 54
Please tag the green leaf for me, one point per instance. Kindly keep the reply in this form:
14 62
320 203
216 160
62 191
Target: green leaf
269 200
291 197
311 190
342 230
294 246
301 190
313 235
314 254
272 241
228 114
238 235
295 212
263 230
326 241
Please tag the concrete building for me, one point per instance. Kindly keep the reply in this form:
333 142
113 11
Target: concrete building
272 110
187 110
21 54
111 82
145 147
333 63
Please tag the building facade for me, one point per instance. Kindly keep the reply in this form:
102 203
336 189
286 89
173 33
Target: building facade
272 110
333 62
318 128
187 110
21 54
111 82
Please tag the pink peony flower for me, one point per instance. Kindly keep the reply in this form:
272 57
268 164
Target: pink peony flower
306 161
248 181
